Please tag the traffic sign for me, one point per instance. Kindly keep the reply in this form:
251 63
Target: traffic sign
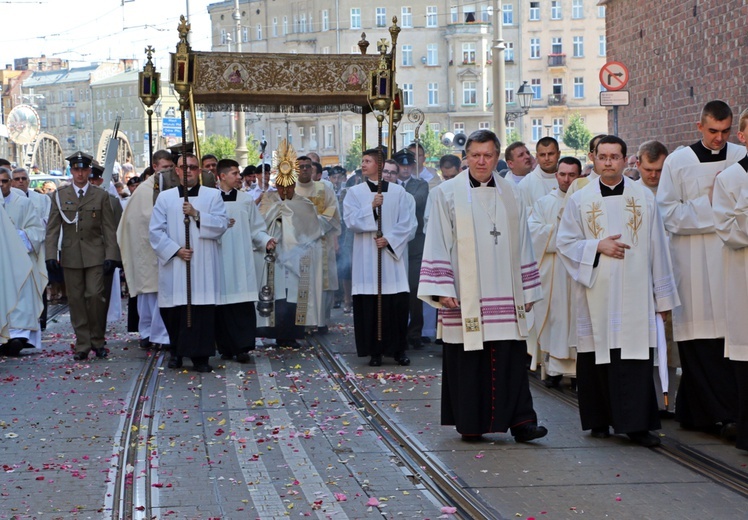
614 99
614 75
172 127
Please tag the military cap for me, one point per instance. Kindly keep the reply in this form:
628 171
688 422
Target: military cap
97 170
249 170
133 181
177 150
404 158
80 160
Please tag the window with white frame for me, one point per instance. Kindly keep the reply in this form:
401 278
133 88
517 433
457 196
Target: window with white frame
259 31
484 125
278 137
509 51
534 11
469 93
577 9
558 128
507 14
537 129
555 9
578 47
325 20
432 54
295 26
435 127
578 87
602 47
406 53
536 89
510 127
558 86
302 23
355 17
329 136
408 132
433 89
509 91
408 94
468 52
326 49
407 17
535 48
245 34
432 18
557 46
468 13
454 15
485 14
489 95
458 128
300 144
381 16
313 136
285 25
224 37
356 132
601 11
275 26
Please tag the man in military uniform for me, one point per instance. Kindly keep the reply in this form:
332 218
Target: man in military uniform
83 214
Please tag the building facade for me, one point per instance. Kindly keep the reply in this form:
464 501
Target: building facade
679 56
445 55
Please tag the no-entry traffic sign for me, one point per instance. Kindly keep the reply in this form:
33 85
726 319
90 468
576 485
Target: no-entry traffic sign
614 75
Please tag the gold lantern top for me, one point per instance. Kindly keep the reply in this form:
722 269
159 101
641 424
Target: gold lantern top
149 81
380 81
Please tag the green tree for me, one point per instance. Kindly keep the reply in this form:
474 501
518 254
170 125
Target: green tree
512 137
576 135
219 145
432 144
353 154
253 150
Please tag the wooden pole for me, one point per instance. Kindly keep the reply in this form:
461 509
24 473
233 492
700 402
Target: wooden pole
185 169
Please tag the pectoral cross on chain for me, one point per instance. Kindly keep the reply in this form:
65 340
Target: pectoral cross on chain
495 234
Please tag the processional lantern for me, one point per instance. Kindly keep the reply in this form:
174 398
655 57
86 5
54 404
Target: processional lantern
181 65
149 92
380 82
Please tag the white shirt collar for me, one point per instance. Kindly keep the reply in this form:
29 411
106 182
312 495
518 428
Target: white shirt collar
84 188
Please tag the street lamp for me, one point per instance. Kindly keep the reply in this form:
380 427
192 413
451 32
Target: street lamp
149 92
525 95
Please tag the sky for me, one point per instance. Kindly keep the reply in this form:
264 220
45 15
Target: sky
87 31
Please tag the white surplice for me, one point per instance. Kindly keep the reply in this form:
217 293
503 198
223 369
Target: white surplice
16 272
553 314
167 236
616 305
535 185
238 273
440 269
295 226
683 200
398 227
730 202
32 232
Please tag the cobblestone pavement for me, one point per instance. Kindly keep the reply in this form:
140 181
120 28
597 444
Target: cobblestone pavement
277 439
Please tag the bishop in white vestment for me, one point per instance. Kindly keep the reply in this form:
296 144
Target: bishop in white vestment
292 221
612 242
32 232
731 224
480 271
363 206
236 321
207 223
706 394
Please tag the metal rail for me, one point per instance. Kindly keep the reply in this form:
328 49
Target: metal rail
677 451
428 471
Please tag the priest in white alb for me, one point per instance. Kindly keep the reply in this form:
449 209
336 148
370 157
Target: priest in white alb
706 393
553 325
730 203
363 207
31 231
542 179
480 271
191 328
293 222
612 241
236 321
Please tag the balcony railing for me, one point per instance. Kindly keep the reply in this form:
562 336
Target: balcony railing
556 100
557 60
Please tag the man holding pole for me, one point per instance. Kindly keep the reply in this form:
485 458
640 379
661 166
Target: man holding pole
375 305
184 232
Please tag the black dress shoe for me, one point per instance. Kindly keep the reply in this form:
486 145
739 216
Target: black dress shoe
244 357
477 437
553 381
145 343
600 433
375 361
101 353
175 362
729 431
203 368
13 347
416 344
644 438
80 356
322 330
530 433
402 360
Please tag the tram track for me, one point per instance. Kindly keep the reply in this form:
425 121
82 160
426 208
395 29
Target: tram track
129 495
445 486
675 450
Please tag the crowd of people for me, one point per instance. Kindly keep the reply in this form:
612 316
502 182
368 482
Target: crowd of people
588 273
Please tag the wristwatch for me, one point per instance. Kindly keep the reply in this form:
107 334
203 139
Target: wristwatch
197 217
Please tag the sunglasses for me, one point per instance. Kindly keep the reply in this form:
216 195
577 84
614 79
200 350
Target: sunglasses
5 181
20 179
